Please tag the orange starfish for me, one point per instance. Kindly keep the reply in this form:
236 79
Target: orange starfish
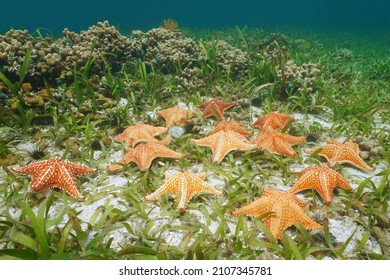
273 120
231 125
285 208
215 107
185 183
175 115
140 132
221 143
277 143
143 155
54 173
322 179
336 152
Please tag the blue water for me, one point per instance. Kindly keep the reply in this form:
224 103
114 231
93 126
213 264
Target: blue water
141 14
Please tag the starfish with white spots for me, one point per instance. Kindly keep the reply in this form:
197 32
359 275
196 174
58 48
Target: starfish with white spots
54 173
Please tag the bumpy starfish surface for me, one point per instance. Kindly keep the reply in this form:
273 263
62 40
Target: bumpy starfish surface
221 143
215 107
336 152
322 179
187 184
143 155
54 173
273 120
277 143
285 208
231 125
140 132
175 115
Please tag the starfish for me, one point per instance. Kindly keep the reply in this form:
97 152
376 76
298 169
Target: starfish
221 143
273 120
322 179
215 107
286 210
143 155
140 132
336 152
231 125
185 183
277 143
54 173
175 115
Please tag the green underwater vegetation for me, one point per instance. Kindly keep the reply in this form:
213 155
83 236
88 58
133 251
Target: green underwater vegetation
69 96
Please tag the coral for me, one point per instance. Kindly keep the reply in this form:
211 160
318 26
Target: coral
102 40
56 59
13 47
190 80
274 48
165 50
301 77
231 59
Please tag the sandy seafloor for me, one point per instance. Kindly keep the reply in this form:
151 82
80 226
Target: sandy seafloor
341 227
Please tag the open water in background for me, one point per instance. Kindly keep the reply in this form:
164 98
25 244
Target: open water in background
344 15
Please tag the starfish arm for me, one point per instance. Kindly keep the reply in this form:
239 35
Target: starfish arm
77 169
326 151
121 136
293 140
185 197
157 130
311 151
114 167
305 220
230 126
333 142
170 186
45 179
198 185
342 183
162 151
220 150
324 183
128 157
282 148
346 156
354 147
202 175
31 168
66 181
304 182
258 123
